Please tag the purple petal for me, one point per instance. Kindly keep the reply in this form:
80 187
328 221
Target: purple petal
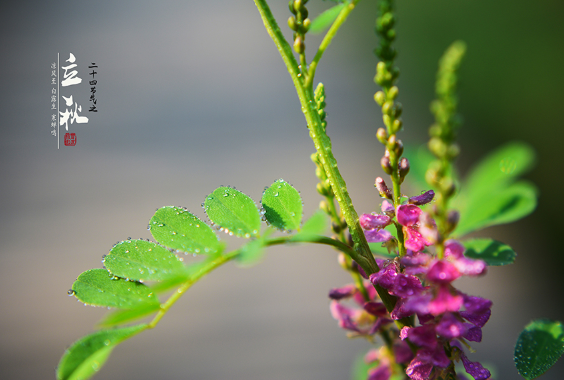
380 373
388 207
369 222
423 336
377 236
450 327
442 272
475 369
454 248
474 333
344 292
408 215
422 199
445 301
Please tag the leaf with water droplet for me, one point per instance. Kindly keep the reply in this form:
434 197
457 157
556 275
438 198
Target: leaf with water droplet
233 211
176 228
97 287
86 356
491 251
539 347
121 316
142 260
283 206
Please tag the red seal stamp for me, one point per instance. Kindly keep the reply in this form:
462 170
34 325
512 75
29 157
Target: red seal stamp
70 139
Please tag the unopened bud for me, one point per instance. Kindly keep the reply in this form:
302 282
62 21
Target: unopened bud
422 199
453 217
383 188
299 46
393 93
403 167
382 135
386 165
380 98
292 23
396 126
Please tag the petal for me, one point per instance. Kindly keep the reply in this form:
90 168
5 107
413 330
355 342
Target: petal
408 215
450 327
442 272
377 236
369 222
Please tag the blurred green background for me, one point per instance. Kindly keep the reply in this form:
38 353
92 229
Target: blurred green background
193 95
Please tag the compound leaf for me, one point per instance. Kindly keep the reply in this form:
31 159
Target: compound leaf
233 211
498 207
97 287
87 355
283 206
491 251
142 260
179 229
539 347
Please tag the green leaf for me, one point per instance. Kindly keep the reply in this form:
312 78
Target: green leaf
122 316
97 287
87 355
499 168
539 347
253 251
498 207
315 225
233 211
177 228
325 19
283 206
491 251
142 260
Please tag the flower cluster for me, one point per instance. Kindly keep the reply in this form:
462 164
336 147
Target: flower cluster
422 283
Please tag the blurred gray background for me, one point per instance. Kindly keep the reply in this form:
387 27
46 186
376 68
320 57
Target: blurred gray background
193 95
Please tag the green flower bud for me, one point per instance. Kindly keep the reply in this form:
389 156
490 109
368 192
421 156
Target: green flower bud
382 135
292 23
380 98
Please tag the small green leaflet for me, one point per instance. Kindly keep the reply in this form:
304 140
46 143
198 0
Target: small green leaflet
491 251
97 287
87 355
233 211
283 206
325 19
177 228
539 347
142 260
315 225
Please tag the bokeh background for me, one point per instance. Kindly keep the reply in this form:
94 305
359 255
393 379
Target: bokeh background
193 95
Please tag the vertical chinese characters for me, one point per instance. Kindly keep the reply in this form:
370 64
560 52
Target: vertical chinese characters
70 78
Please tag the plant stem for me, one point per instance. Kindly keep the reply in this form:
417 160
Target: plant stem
327 40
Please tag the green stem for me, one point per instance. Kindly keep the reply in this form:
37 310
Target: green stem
323 146
327 40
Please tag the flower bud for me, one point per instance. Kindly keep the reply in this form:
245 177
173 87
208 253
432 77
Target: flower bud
382 135
299 46
292 23
383 188
386 165
422 199
380 98
393 93
403 167
452 219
